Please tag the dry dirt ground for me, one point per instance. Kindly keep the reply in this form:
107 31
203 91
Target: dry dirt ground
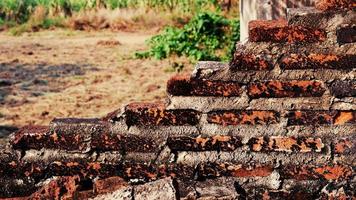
75 74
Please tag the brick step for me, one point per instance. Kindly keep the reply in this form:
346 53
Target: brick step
103 177
85 135
309 69
188 86
335 4
314 18
292 61
278 31
170 189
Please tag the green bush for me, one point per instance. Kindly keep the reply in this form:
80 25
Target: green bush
208 36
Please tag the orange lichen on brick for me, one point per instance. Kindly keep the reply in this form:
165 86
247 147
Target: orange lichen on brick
279 89
335 4
245 62
155 114
286 144
279 31
334 172
344 145
343 118
243 117
186 86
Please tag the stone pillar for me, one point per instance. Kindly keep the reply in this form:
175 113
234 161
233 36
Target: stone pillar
266 9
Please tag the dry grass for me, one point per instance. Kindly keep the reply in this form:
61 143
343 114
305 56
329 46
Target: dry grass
127 19
120 78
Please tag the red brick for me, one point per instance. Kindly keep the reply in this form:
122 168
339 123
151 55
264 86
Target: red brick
123 142
207 170
328 172
144 172
68 134
346 34
279 89
238 117
152 114
62 188
345 146
108 185
83 168
215 143
31 137
278 31
186 86
321 117
318 61
286 144
335 4
245 62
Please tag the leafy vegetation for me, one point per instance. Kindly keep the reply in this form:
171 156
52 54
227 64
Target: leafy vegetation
208 36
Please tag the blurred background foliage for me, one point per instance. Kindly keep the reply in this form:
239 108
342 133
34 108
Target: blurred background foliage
196 29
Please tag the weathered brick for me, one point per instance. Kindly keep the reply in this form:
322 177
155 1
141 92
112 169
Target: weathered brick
238 117
346 33
278 31
32 137
186 86
286 144
318 61
60 188
321 117
215 143
143 172
160 189
155 114
328 172
75 134
139 171
346 88
207 170
344 146
123 142
245 62
335 4
86 169
110 184
279 89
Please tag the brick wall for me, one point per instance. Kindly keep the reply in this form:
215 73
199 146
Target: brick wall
267 10
277 122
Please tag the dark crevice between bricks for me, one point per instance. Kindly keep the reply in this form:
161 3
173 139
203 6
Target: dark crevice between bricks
176 188
241 191
346 33
343 88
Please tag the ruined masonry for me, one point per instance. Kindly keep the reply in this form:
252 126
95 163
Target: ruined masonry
277 122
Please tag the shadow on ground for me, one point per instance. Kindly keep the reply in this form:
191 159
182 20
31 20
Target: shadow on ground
20 81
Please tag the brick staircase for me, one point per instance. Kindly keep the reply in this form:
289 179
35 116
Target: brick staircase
277 122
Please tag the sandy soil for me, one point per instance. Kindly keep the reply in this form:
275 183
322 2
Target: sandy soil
75 74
